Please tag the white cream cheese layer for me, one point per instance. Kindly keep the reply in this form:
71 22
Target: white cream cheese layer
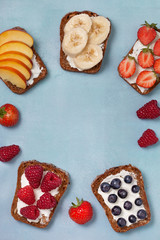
35 71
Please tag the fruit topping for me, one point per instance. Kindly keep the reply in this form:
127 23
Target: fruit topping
122 193
46 201
135 188
141 214
30 212
132 219
7 153
26 195
50 182
147 33
128 179
34 175
148 138
146 79
149 111
116 183
116 210
156 66
127 67
145 58
138 201
127 205
9 115
105 187
156 49
121 222
112 198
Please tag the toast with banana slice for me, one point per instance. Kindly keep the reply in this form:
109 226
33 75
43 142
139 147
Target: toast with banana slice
83 36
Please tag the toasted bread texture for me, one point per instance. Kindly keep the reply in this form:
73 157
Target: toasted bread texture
63 61
43 222
111 172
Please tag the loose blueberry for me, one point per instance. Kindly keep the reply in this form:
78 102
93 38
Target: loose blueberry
132 219
141 214
112 198
135 188
138 202
105 187
127 205
122 193
128 179
116 183
116 210
121 222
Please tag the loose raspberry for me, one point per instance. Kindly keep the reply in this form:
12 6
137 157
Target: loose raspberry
50 182
34 175
7 153
26 195
148 138
31 212
46 201
150 110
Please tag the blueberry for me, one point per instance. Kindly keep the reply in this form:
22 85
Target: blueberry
122 193
141 214
121 222
116 183
135 188
112 198
132 219
116 210
105 187
128 179
127 205
138 202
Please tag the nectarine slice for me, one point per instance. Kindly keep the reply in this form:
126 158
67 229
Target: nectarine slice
18 65
19 56
14 76
16 35
18 47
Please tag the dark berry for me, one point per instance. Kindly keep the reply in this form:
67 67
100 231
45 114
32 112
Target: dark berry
127 205
121 222
122 193
105 187
138 202
135 188
128 179
116 210
116 183
132 219
112 198
141 214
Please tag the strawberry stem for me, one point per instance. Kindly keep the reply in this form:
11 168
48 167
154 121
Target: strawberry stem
2 112
78 203
152 25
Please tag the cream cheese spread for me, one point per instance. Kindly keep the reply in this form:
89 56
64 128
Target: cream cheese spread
35 71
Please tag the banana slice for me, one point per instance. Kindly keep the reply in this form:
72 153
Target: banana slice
90 57
99 30
74 41
80 20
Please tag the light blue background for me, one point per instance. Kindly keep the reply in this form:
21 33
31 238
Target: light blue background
81 123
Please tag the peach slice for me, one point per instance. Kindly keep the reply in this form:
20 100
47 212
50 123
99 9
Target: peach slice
19 56
18 47
14 76
18 65
16 35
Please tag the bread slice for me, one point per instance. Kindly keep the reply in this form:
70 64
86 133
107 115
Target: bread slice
138 179
43 221
63 61
42 74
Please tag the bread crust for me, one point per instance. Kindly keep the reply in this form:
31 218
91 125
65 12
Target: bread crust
63 61
46 167
96 183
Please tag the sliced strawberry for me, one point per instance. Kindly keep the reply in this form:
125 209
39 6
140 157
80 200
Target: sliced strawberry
145 58
147 33
146 79
156 48
127 67
156 66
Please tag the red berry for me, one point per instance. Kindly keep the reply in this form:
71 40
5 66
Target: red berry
156 48
146 79
7 153
156 66
50 182
148 138
46 201
150 110
145 58
127 67
30 212
26 195
9 115
147 33
34 175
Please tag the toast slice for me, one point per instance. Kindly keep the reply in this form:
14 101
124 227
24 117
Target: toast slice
63 58
44 218
108 204
36 79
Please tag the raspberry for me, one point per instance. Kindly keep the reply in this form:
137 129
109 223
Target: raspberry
26 195
34 175
46 201
31 212
148 138
7 153
150 110
50 182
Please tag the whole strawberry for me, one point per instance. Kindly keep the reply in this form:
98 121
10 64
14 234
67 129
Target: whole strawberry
50 182
149 111
31 212
7 153
46 201
82 212
26 194
147 33
34 175
148 138
9 115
